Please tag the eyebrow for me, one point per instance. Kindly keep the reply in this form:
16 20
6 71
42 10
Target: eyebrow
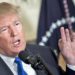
16 21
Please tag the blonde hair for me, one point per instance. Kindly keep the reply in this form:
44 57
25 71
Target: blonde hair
6 8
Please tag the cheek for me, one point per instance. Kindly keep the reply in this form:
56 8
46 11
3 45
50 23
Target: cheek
22 39
4 41
4 44
21 34
19 28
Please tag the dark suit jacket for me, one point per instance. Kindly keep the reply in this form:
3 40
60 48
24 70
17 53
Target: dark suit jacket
46 55
50 60
4 69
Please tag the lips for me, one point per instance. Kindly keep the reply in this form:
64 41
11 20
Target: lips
16 43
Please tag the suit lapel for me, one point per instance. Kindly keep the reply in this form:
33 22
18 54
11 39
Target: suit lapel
4 69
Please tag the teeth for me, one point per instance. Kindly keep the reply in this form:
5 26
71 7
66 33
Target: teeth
16 43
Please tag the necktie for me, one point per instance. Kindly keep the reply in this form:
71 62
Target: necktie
20 67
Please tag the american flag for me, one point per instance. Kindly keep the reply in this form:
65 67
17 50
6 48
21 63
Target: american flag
52 17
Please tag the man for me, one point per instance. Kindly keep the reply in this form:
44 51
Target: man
12 42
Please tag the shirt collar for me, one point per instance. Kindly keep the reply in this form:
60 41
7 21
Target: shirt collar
7 59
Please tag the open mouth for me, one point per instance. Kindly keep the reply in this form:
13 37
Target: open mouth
17 43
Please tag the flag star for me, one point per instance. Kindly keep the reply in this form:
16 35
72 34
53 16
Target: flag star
73 19
53 26
58 23
42 44
44 39
50 30
48 34
63 21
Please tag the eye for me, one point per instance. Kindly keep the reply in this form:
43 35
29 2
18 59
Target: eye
3 29
17 23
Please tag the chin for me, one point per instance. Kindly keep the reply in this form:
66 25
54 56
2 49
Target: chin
19 49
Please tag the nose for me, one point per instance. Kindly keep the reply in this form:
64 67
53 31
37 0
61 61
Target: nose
13 31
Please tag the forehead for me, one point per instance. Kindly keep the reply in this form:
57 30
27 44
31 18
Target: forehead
8 18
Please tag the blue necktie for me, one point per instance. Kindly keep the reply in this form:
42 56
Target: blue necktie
20 67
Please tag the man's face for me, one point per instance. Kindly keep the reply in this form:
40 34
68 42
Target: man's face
11 35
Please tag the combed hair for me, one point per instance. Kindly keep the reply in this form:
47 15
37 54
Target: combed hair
8 8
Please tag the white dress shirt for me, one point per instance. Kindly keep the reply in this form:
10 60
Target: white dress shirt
13 66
